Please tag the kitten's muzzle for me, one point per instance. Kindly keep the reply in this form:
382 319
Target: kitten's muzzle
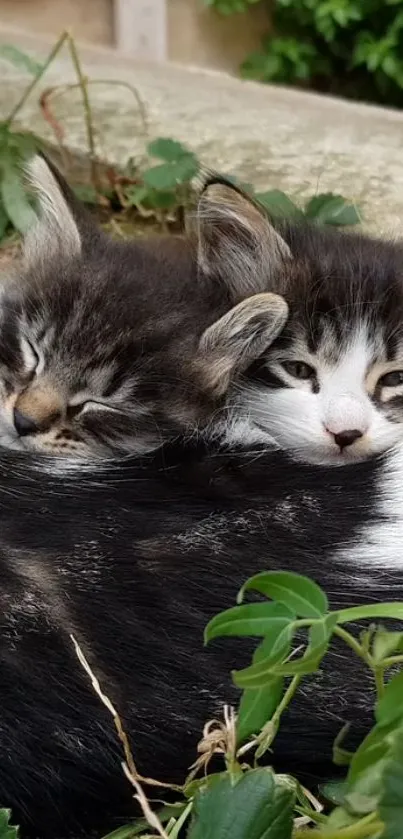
24 425
347 438
36 409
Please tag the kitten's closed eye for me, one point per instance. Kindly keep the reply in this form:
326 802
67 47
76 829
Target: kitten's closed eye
88 405
299 369
392 379
31 358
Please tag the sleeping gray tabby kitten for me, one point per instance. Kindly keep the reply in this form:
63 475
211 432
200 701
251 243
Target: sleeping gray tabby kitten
114 347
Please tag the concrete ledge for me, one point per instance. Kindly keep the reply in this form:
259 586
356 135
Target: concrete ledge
271 136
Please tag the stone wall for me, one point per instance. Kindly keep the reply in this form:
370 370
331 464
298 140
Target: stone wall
270 136
195 35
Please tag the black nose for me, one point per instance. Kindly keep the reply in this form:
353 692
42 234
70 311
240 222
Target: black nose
24 425
346 438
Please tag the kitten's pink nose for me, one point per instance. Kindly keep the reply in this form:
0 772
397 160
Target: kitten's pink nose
347 438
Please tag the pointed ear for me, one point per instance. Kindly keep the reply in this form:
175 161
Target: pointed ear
238 338
235 241
63 223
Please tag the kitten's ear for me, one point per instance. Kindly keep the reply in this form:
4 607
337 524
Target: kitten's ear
238 338
235 240
63 224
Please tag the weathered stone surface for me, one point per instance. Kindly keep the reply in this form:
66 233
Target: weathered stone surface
271 136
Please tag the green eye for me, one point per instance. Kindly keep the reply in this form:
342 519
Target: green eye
299 370
393 379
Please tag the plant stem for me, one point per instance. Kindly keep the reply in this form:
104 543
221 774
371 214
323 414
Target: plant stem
83 84
392 660
269 730
62 88
379 673
366 827
28 90
378 670
353 644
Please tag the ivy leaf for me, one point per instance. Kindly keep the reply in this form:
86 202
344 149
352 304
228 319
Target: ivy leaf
390 805
278 205
180 165
20 59
4 221
374 611
385 643
260 674
258 706
252 619
88 195
300 594
256 806
165 813
334 791
166 176
320 634
328 208
7 831
15 200
167 149
364 779
389 707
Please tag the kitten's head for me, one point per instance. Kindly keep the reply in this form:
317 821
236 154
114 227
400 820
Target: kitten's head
114 347
330 388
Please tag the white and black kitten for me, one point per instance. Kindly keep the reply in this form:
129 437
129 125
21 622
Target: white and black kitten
329 390
114 347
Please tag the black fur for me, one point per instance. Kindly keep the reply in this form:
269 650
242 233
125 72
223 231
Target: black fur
116 555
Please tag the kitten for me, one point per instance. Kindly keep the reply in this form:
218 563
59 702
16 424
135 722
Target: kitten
113 347
330 388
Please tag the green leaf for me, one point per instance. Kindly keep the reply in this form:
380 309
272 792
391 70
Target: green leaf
328 208
138 826
7 831
86 193
389 708
15 200
258 706
385 643
20 59
390 805
341 756
4 221
169 175
299 593
161 200
167 149
201 784
373 611
256 619
260 674
364 779
278 205
340 817
160 177
334 791
320 634
254 807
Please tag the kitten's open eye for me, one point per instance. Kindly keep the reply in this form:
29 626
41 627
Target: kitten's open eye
299 369
392 379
